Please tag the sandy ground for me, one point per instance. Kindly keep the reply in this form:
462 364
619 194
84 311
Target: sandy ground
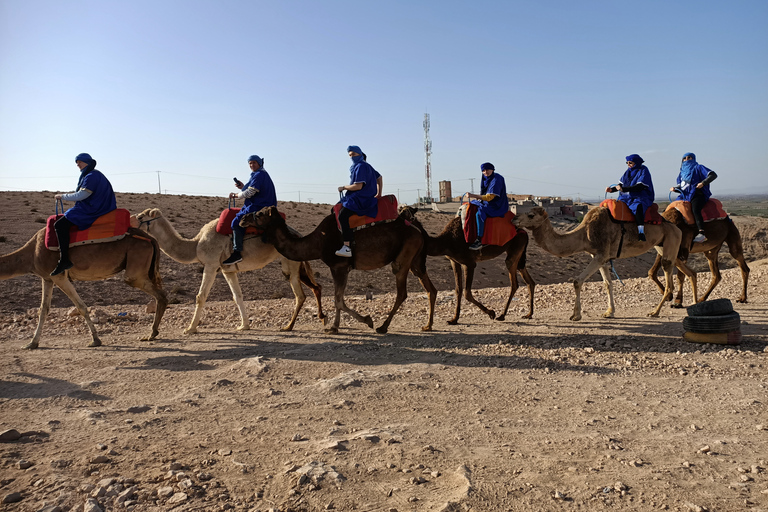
540 414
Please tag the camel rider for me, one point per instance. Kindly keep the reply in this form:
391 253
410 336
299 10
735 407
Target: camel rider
491 202
258 193
693 186
93 198
636 189
361 198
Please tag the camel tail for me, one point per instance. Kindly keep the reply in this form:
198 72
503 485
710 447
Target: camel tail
154 267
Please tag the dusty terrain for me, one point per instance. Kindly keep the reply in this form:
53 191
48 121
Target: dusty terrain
540 414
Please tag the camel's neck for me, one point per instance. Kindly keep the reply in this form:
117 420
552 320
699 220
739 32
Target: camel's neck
172 243
446 242
19 262
303 248
560 244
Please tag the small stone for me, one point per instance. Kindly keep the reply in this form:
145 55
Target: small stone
10 435
179 497
99 459
746 478
164 492
224 452
559 495
92 506
175 466
24 464
13 497
705 449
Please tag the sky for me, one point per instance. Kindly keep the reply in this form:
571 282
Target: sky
174 95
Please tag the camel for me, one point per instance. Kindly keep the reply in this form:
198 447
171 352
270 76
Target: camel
397 243
451 244
599 235
136 253
717 232
211 248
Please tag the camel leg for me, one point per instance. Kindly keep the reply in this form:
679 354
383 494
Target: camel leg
578 282
209 274
684 270
531 287
45 307
420 271
161 300
401 278
513 286
340 276
737 252
308 278
653 271
292 269
237 296
714 270
678 302
458 277
68 288
666 264
471 298
605 271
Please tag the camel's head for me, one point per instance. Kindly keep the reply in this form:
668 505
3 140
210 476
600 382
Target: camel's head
532 219
144 219
260 219
407 212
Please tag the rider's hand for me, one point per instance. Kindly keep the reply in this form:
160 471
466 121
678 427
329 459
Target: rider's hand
58 196
342 188
233 195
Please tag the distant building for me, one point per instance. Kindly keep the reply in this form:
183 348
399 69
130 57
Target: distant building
445 191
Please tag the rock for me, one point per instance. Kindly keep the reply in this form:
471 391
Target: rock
73 311
13 497
164 492
139 408
10 435
92 506
106 482
177 498
99 459
24 464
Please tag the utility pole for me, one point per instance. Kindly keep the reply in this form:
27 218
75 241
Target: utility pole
472 185
427 159
159 191
299 195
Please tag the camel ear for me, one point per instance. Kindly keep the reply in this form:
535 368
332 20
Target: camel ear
154 213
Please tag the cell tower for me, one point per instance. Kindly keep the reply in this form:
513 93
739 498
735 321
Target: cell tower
427 159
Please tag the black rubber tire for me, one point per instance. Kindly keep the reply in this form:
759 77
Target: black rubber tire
711 308
712 324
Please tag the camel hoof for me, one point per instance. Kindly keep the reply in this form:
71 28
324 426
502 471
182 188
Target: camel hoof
247 327
676 305
528 316
368 321
190 330
332 330
575 318
426 328
491 314
32 345
741 301
607 315
287 328
653 315
501 318
381 330
95 343
146 338
453 322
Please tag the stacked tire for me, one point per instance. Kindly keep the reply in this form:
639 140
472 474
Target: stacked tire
712 321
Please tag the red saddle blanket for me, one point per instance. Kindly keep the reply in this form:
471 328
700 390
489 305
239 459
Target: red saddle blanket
713 210
387 213
621 212
107 228
498 230
224 226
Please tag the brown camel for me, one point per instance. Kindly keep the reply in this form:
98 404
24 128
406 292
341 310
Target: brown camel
136 253
717 233
397 243
451 244
211 248
599 235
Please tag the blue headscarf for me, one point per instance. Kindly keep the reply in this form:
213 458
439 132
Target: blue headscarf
84 157
356 159
487 165
256 158
687 168
636 159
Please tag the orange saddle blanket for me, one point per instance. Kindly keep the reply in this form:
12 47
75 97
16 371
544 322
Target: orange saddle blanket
107 228
224 226
713 210
387 213
621 212
497 231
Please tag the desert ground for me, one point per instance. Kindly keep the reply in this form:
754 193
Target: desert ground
525 414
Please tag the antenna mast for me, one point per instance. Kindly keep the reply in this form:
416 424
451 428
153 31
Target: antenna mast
427 159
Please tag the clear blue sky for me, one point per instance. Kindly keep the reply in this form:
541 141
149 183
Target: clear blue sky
554 93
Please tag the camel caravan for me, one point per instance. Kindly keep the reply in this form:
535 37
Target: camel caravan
95 240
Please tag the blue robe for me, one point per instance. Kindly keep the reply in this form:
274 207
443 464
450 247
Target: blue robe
688 188
266 195
497 207
643 198
363 201
101 201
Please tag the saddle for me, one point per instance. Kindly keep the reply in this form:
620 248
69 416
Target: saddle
107 228
498 230
224 226
713 210
620 212
387 213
